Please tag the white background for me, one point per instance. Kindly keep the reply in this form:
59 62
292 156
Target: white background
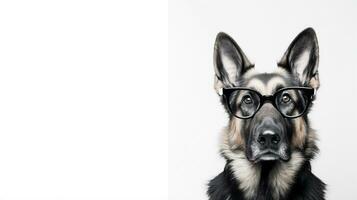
263 30
83 100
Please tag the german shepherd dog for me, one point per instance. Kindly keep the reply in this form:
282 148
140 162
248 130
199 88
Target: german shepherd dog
268 143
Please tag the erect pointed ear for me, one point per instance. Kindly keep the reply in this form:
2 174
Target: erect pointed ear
229 61
302 58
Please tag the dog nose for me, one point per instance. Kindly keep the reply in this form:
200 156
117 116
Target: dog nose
269 139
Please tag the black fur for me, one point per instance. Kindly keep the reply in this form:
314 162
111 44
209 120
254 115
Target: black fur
307 186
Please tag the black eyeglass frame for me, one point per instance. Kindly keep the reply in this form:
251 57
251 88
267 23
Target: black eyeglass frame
226 92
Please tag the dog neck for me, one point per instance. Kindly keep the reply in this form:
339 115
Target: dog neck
273 179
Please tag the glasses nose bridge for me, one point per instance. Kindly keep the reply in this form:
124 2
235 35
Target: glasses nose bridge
269 98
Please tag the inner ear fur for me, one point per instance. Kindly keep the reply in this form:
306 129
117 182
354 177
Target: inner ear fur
229 61
302 58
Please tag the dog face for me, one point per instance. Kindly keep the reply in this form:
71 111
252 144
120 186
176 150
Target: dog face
268 111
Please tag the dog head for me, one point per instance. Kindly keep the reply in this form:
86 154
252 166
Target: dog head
268 111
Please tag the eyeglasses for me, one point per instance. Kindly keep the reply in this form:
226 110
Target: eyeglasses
291 102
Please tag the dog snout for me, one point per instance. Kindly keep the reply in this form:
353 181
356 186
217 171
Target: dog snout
269 139
269 134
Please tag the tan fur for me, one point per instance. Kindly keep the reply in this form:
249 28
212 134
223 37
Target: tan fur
299 135
282 71
217 84
315 82
235 135
311 148
264 89
251 72
246 172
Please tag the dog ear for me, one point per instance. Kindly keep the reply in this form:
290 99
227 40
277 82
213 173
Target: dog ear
302 58
229 61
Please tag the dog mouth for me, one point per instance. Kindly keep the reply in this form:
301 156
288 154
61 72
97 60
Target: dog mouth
270 155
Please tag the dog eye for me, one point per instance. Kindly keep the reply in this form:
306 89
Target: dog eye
285 98
247 99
